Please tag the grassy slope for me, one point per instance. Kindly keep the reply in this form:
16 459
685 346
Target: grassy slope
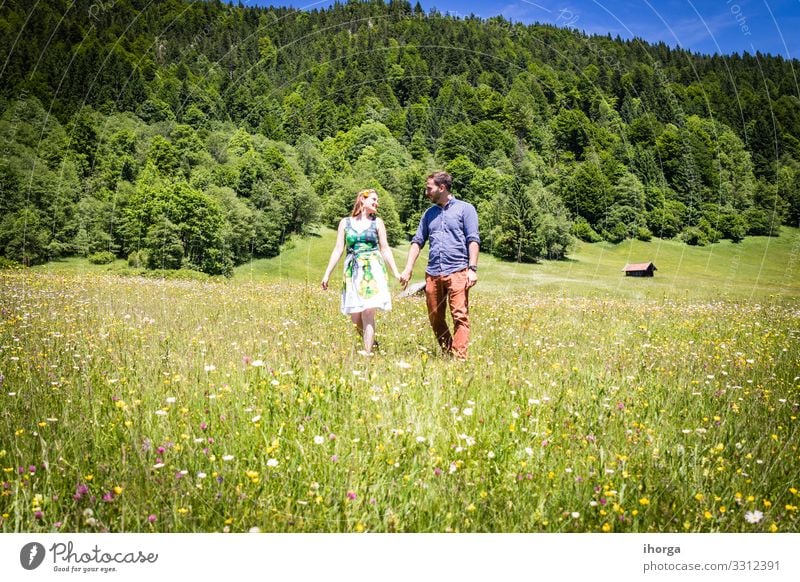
756 268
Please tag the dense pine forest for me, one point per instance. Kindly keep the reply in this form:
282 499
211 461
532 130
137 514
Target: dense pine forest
201 135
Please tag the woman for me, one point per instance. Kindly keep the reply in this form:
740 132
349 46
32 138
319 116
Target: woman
366 285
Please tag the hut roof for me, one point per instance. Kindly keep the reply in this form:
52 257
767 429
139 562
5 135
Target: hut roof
639 267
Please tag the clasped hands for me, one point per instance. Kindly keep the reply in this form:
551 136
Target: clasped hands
404 278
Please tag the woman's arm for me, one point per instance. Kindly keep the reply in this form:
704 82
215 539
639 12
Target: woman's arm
386 250
336 254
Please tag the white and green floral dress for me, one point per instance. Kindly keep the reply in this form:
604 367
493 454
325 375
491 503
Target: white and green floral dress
366 282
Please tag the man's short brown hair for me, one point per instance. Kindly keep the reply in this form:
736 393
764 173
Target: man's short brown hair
442 179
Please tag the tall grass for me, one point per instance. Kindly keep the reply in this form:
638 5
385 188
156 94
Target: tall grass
133 404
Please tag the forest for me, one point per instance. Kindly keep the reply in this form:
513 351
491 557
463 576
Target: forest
202 135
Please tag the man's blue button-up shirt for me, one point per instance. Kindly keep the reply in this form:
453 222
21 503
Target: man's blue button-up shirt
449 230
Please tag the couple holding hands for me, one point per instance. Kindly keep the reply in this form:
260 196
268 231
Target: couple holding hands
451 228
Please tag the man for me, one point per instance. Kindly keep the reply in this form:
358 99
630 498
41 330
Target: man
451 226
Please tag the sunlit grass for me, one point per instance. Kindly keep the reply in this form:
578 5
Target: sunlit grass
756 267
131 404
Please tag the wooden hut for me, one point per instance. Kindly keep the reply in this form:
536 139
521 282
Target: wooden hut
639 269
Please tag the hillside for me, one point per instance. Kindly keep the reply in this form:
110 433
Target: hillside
201 135
757 268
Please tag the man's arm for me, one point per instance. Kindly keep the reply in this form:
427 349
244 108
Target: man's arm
417 242
472 276
473 243
413 253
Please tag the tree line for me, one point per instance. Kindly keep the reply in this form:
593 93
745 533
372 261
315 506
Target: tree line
202 135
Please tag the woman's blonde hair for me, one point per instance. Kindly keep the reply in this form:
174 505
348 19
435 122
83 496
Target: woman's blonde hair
360 197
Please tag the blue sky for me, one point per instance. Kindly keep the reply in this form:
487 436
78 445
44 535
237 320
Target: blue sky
705 26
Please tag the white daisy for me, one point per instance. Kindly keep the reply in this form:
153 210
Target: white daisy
753 516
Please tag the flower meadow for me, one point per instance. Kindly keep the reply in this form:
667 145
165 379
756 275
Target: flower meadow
140 405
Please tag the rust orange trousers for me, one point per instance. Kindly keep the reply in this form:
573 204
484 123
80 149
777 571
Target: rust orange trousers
441 292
